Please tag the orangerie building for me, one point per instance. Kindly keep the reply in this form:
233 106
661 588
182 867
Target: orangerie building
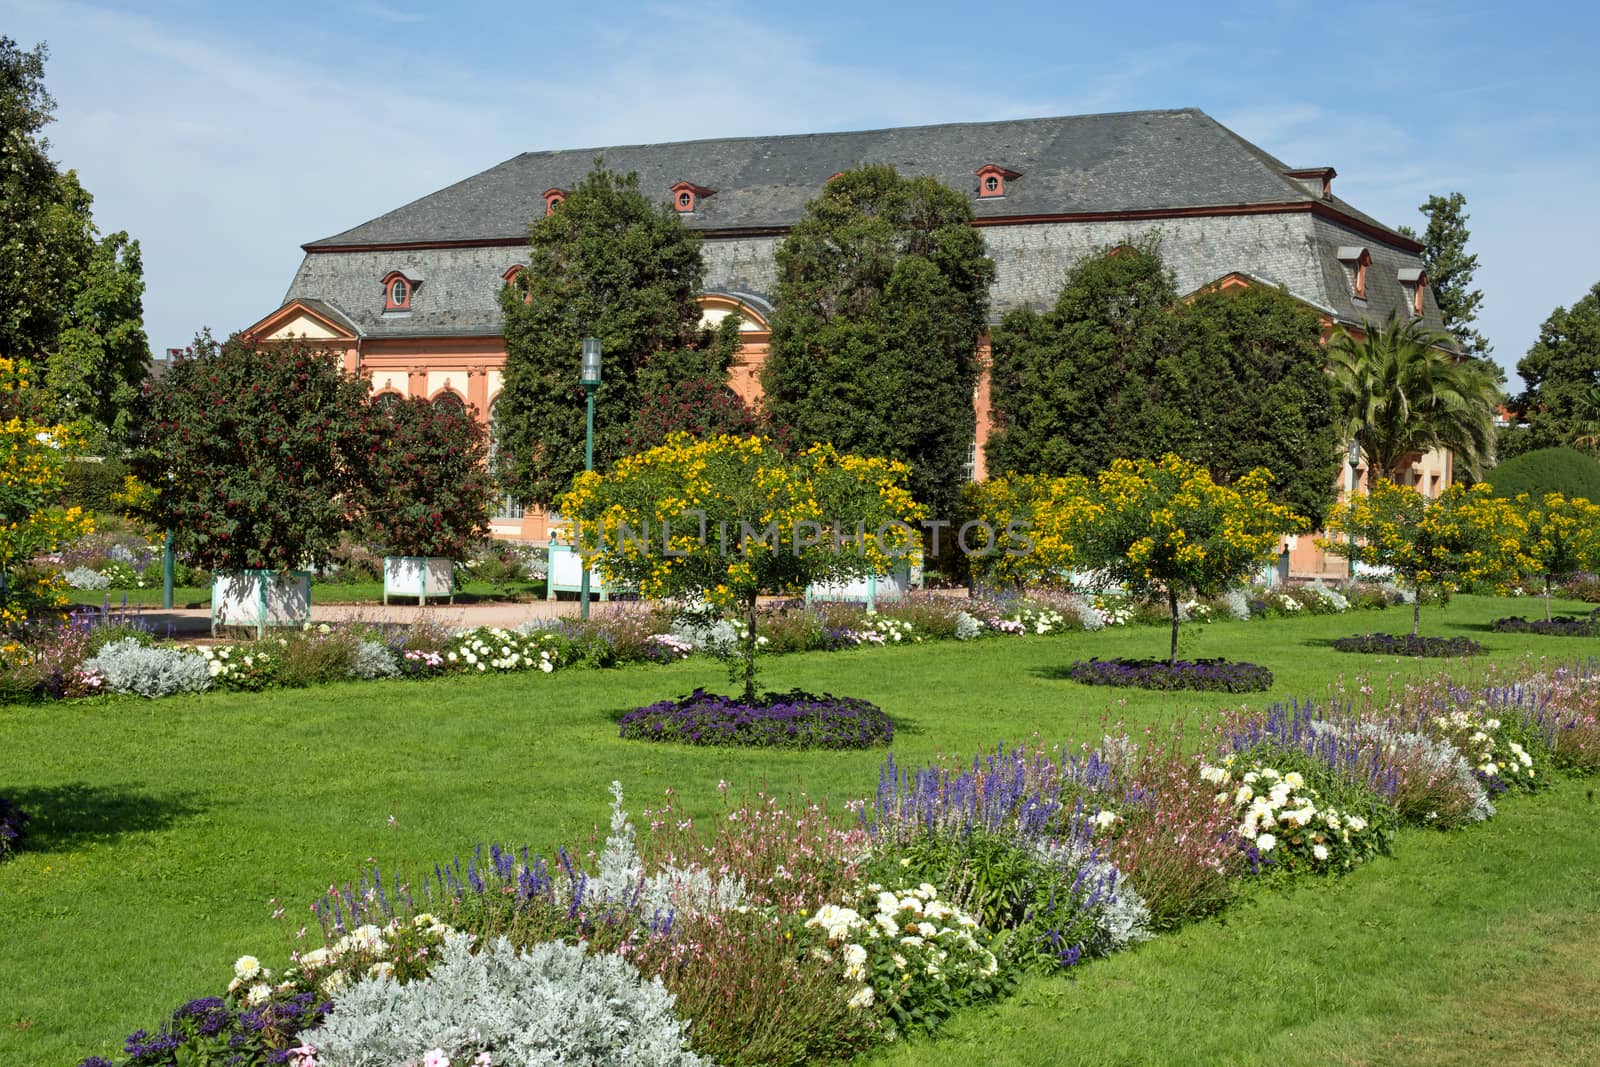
412 297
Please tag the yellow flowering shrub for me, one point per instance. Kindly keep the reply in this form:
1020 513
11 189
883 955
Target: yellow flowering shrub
1026 525
1161 528
33 459
1465 536
726 519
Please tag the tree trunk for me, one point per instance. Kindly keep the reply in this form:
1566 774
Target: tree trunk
1172 602
750 651
1416 610
1547 598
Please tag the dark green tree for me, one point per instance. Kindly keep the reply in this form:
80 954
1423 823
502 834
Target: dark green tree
608 263
1450 269
1562 372
1096 378
1260 396
70 301
882 295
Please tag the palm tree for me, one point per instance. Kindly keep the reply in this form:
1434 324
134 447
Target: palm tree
1586 431
1404 391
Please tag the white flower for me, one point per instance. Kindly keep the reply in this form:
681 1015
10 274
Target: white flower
435 1057
1214 775
863 998
1105 820
1244 795
1356 823
1320 852
1266 842
246 968
1294 780
258 994
315 958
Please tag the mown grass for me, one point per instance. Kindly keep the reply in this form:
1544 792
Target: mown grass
164 828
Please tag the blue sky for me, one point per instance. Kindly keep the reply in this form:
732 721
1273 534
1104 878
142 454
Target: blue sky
225 135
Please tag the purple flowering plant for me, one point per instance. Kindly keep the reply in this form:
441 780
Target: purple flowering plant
795 719
1206 675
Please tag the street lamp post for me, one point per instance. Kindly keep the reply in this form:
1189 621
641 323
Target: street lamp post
1355 461
589 378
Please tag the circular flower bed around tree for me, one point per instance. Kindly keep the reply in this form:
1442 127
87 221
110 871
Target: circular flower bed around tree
795 719
1560 626
1210 675
1409 645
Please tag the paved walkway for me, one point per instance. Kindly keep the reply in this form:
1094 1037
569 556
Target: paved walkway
196 622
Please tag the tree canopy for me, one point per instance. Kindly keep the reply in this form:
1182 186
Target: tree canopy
1450 269
1401 392
1561 404
882 295
1548 470
71 302
606 263
1121 368
427 489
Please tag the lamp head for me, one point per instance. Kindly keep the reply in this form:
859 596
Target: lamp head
590 372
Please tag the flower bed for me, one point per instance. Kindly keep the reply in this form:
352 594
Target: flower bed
1409 645
1209 675
778 936
1560 626
795 719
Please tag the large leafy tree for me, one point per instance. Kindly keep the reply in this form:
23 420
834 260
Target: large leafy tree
1562 370
70 301
882 295
1450 269
1094 378
1402 391
256 454
1259 395
428 489
608 263
1119 368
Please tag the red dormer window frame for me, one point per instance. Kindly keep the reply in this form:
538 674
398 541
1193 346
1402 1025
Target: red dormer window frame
398 291
686 196
552 200
1416 297
1363 263
510 276
992 180
1325 175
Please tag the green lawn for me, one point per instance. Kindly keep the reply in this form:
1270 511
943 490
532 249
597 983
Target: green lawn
164 828
187 596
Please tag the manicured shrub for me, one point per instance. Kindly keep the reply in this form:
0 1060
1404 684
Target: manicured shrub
129 666
795 719
94 485
554 1004
1547 470
1409 645
373 659
1208 675
13 828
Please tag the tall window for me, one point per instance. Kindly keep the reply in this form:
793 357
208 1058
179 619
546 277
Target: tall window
507 507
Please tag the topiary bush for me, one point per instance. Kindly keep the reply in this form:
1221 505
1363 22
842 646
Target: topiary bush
128 665
555 1004
1547 470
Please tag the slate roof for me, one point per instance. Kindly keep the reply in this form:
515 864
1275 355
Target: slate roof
1126 161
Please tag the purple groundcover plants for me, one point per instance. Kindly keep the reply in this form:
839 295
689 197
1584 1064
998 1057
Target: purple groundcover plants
1560 626
791 935
795 719
1409 645
1207 675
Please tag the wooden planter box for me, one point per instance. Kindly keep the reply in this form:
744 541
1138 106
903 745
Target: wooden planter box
419 576
261 599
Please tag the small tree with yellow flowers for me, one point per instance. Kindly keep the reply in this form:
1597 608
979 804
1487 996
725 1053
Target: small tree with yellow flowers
727 519
1561 536
1160 528
1465 536
1028 523
33 459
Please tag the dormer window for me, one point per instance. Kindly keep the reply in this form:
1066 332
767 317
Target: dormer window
398 289
686 196
1318 181
992 180
1414 280
552 200
1356 261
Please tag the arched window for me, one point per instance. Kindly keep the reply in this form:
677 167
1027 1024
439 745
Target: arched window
398 289
450 401
386 401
